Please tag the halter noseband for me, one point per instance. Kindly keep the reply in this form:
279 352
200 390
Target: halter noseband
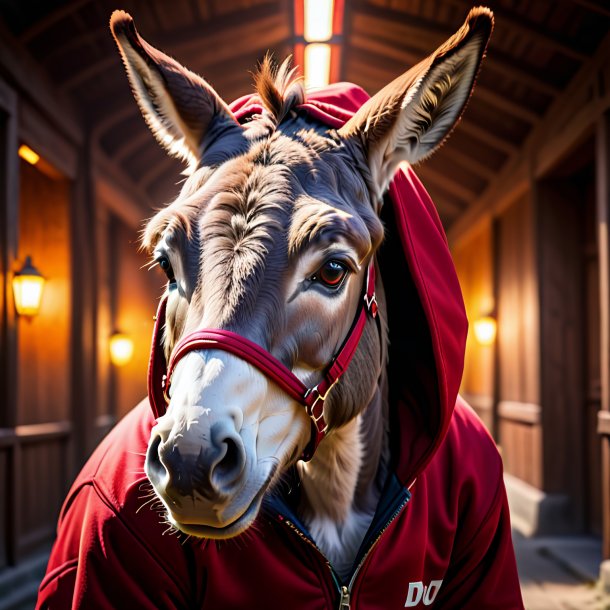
160 375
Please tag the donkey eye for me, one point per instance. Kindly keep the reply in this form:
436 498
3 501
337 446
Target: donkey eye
164 263
331 274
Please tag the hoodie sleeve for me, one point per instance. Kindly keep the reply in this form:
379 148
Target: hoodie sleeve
111 551
482 571
98 561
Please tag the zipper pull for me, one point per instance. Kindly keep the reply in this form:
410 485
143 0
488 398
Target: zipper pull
344 601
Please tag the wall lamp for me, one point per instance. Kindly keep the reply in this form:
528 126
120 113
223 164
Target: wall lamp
28 286
121 349
485 330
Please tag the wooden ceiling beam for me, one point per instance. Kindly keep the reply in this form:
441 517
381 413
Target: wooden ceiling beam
40 25
141 140
124 108
471 163
562 128
214 45
378 54
468 126
516 22
154 173
594 7
438 178
408 57
503 103
506 66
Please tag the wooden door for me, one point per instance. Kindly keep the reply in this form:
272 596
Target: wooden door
592 366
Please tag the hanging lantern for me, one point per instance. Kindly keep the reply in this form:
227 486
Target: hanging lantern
485 329
121 349
28 286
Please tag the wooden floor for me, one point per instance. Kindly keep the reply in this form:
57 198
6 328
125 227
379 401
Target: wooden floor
559 573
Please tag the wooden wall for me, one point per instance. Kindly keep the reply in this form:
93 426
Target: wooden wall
35 452
474 264
497 268
519 430
137 291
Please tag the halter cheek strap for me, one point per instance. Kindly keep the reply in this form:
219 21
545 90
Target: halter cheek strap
312 398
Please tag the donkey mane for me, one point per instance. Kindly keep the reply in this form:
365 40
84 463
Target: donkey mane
279 88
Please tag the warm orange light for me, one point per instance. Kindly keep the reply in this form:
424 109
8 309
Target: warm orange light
28 285
317 65
318 20
485 329
27 154
121 349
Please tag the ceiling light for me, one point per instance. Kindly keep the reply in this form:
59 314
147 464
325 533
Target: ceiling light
318 20
317 65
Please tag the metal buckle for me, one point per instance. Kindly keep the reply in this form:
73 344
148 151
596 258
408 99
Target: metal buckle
371 304
319 398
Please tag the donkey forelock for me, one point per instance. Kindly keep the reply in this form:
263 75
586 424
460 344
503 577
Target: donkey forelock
248 217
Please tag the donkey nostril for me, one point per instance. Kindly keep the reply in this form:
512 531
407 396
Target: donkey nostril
154 465
230 463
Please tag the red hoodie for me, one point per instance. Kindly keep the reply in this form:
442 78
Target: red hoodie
441 534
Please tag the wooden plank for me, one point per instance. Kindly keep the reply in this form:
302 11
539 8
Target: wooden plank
559 220
470 126
594 7
9 231
83 356
46 431
505 65
403 58
472 163
46 141
118 193
501 102
522 412
535 32
214 43
602 195
53 17
28 77
448 184
371 36
44 234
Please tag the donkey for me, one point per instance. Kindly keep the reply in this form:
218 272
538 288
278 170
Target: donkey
305 365
270 238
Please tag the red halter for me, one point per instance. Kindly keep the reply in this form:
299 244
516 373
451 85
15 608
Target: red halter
160 375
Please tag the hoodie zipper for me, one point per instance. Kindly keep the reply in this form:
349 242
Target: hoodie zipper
345 591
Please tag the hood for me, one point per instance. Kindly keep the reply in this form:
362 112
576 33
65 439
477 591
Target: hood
426 316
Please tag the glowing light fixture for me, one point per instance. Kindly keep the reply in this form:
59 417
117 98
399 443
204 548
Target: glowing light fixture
317 65
27 154
28 285
485 330
121 349
318 25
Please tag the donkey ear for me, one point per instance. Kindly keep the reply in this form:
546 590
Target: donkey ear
409 118
179 106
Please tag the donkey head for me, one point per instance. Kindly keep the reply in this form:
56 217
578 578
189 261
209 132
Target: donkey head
270 238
